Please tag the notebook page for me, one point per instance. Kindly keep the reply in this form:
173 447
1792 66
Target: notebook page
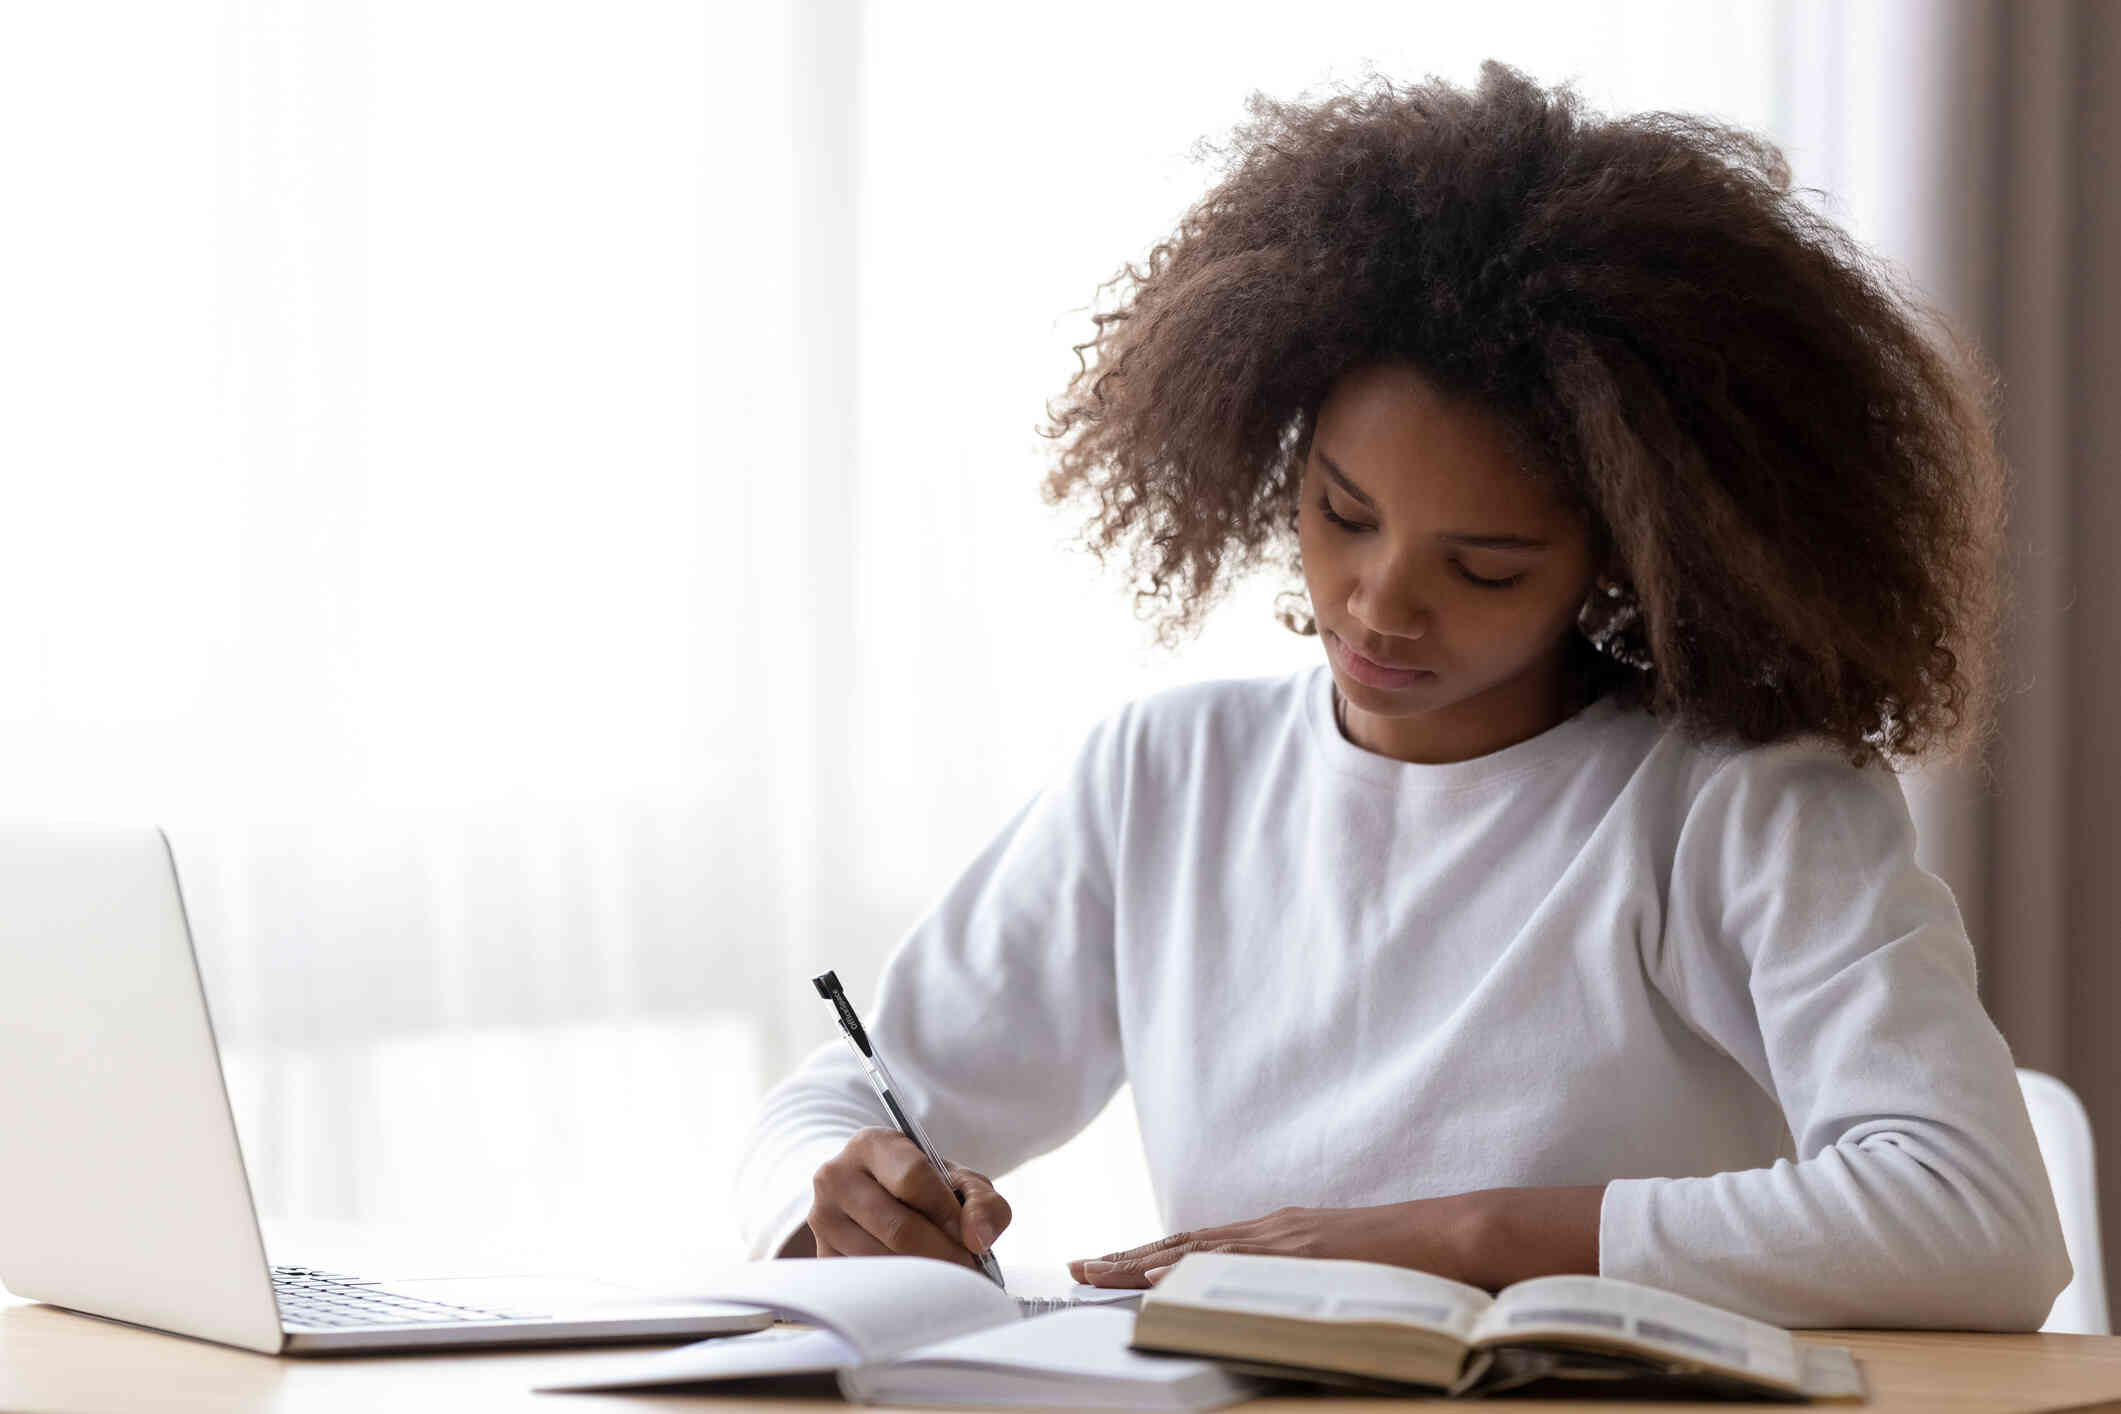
1311 1289
1682 1328
1831 1372
1087 1340
781 1350
879 1305
1073 1350
1038 1293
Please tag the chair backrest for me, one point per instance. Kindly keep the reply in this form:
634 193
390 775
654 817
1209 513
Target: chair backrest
2064 1132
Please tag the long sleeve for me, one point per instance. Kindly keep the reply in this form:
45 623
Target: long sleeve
996 1012
1804 941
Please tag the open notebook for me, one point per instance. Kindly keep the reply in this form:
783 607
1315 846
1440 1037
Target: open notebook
909 1330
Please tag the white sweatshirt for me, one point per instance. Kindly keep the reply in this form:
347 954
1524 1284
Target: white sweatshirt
1711 978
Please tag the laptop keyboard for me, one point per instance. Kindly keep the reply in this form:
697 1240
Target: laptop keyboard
311 1298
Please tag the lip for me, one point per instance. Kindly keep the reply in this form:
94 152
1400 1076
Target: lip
1374 674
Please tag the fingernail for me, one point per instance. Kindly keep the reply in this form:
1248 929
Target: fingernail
1156 1274
1097 1266
976 1236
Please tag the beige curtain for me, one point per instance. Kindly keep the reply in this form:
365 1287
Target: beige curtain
2023 245
2052 916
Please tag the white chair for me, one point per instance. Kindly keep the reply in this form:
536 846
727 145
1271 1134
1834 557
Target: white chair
2064 1132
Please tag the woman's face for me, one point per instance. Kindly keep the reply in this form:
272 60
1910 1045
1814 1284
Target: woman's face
1434 664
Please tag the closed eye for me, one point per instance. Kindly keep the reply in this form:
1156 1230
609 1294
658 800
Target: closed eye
1354 528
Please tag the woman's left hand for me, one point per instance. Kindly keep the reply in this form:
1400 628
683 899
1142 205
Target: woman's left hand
1433 1234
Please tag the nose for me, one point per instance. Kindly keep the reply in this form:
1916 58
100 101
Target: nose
1385 612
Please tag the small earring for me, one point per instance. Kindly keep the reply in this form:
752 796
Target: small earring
1605 617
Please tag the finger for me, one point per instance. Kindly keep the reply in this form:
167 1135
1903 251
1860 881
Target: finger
844 1237
1164 1244
1123 1278
987 1213
902 1230
1133 1272
830 1224
903 1171
1148 1249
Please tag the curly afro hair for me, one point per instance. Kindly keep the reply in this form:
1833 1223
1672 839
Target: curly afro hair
1788 463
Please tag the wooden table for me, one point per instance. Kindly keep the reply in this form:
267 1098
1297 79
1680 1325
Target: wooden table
56 1362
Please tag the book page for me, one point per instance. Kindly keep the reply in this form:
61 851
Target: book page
879 1305
1333 1290
1609 1310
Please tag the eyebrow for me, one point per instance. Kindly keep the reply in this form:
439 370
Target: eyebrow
1455 537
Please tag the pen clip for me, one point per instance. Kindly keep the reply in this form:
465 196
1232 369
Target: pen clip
828 987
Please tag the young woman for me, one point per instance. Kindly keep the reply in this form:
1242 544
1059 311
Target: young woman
1565 918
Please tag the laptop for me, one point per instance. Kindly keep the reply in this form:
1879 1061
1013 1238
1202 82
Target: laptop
122 1188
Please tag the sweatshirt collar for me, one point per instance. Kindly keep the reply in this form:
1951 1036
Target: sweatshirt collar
1568 740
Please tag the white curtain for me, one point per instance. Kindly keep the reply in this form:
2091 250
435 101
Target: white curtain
541 500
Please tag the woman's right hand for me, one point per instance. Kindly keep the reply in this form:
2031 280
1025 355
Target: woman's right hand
878 1197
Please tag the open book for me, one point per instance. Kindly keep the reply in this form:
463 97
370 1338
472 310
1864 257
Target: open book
910 1330
1355 1323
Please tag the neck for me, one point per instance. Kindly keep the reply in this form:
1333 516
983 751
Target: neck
1569 698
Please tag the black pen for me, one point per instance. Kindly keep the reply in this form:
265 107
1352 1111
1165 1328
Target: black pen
828 987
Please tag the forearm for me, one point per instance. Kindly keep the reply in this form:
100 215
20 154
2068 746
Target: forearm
1910 1233
1535 1232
